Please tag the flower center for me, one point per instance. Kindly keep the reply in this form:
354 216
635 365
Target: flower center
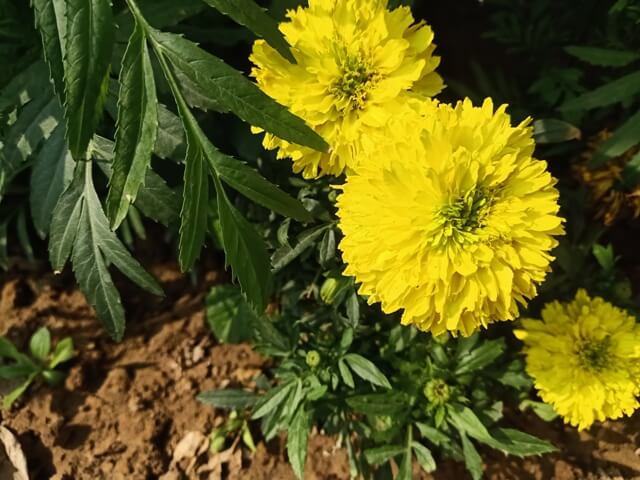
466 213
355 80
594 355
437 391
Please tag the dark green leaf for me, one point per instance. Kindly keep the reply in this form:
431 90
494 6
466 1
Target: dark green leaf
17 371
160 13
378 403
249 14
62 353
366 370
228 398
404 473
228 315
347 378
137 127
327 247
515 442
380 455
40 344
551 130
170 141
603 57
472 459
89 43
24 87
624 138
254 186
245 251
234 91
12 396
51 22
51 174
53 377
9 350
285 255
273 398
605 256
619 90
480 357
465 420
298 436
543 410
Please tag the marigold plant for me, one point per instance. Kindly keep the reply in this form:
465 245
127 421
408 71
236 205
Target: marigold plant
357 65
584 358
459 233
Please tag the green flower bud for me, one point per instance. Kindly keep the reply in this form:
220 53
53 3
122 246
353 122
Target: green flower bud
382 423
437 391
328 290
312 358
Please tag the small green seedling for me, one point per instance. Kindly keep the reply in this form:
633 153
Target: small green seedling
235 426
41 363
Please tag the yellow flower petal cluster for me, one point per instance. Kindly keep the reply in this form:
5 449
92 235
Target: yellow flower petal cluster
357 65
584 357
455 231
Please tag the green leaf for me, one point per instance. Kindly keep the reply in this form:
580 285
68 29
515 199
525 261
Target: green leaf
35 123
472 459
53 377
17 371
9 350
24 87
170 141
605 256
619 90
541 409
424 456
380 455
51 22
347 378
603 57
193 225
623 139
249 14
62 353
285 255
404 473
297 439
327 248
465 420
40 344
245 251
80 228
515 442
480 357
551 130
366 370
234 91
12 396
254 186
51 174
272 399
137 127
88 48
388 403
228 398
161 13
228 315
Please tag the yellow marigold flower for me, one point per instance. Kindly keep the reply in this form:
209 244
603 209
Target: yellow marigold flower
357 65
584 357
456 230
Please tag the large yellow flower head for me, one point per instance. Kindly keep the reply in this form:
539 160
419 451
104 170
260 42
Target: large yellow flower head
357 65
457 230
584 357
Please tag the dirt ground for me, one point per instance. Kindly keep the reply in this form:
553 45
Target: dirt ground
127 410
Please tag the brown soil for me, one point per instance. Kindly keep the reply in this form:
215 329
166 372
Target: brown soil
127 410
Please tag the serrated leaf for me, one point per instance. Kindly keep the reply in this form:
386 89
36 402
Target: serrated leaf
137 127
285 255
234 91
24 87
273 398
380 455
35 123
160 13
480 357
228 398
80 228
249 14
51 22
621 89
51 174
170 141
88 48
623 138
254 186
366 370
297 440
40 344
245 251
228 315
603 57
472 459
